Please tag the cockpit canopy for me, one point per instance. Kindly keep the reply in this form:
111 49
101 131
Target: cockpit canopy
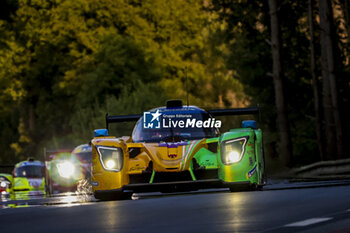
35 169
83 152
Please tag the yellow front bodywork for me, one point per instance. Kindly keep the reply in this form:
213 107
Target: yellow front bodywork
163 158
108 180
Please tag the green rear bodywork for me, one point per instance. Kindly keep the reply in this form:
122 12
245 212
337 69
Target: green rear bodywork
251 164
249 168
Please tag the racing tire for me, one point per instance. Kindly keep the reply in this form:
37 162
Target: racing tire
113 195
252 187
127 196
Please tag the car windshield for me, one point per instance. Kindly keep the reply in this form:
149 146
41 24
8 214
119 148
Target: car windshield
174 133
85 156
30 171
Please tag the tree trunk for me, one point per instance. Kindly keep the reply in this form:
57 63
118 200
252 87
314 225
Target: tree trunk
282 118
31 118
315 84
331 108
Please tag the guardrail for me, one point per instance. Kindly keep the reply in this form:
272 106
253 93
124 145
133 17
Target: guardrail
330 169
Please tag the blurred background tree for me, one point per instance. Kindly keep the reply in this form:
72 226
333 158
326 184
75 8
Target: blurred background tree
65 64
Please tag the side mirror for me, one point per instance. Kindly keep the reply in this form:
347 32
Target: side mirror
100 133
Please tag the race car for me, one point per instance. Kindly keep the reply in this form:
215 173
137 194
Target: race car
177 148
29 178
6 181
65 170
83 153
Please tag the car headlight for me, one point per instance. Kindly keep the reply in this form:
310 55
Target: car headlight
3 184
111 158
232 150
65 169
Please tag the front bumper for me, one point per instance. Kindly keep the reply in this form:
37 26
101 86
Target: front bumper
178 186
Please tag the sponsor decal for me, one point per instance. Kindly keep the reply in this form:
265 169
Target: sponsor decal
137 168
187 152
250 161
94 183
172 156
251 172
208 164
36 183
30 163
172 144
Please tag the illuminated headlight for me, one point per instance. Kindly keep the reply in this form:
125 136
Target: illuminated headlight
111 158
65 169
232 150
3 184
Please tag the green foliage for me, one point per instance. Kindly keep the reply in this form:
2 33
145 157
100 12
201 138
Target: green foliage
65 64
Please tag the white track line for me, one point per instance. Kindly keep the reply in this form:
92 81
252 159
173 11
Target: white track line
307 222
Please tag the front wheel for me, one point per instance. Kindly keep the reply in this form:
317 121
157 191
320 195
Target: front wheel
245 188
113 195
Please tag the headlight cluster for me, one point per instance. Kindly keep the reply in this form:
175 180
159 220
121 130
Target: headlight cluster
66 169
111 158
232 150
4 184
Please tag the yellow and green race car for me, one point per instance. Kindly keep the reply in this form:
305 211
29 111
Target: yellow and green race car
177 148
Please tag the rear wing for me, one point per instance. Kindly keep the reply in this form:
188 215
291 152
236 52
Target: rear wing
213 112
123 118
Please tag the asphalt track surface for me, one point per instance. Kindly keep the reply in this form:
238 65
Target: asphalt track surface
302 207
